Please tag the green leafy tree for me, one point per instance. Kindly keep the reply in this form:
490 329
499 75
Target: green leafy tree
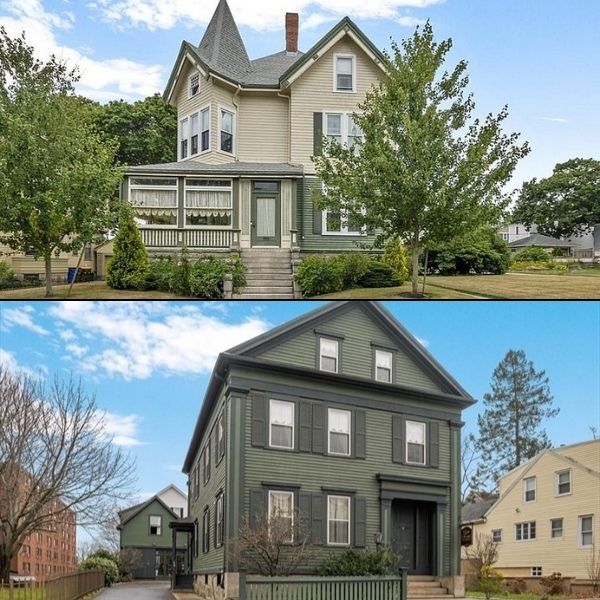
57 175
510 429
128 267
426 170
145 130
100 563
565 204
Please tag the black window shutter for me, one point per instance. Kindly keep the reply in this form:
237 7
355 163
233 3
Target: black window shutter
257 507
316 514
317 220
360 522
434 444
259 419
317 134
305 426
398 439
360 434
318 427
222 445
304 524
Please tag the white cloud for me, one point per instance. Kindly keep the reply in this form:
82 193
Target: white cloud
137 339
554 119
67 335
21 317
76 349
122 429
100 79
175 468
422 341
261 15
408 21
10 363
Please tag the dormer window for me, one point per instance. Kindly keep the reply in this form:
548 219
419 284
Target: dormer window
344 73
194 86
328 355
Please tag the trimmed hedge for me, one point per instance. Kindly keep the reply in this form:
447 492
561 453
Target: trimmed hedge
531 254
360 563
109 566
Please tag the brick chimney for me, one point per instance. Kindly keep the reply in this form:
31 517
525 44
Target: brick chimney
291 33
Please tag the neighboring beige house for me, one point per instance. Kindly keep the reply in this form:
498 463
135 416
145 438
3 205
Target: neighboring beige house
547 517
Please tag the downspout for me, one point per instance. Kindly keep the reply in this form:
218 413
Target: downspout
237 118
289 99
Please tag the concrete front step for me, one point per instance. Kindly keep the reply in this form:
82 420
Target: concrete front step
263 296
412 578
427 593
424 584
271 282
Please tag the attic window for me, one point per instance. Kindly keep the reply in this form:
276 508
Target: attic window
194 85
344 73
155 524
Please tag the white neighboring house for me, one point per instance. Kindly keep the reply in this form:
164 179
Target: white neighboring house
175 499
512 232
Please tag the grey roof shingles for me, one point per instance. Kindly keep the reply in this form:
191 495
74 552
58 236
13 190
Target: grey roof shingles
543 241
474 511
192 167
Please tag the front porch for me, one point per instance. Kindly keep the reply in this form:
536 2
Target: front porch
182 577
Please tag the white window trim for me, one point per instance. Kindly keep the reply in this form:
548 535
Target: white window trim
153 187
190 95
492 534
187 187
158 527
347 498
391 369
341 55
528 539
189 120
525 490
329 451
536 574
271 445
337 355
562 531
269 509
580 531
343 229
556 482
219 508
233 111
424 426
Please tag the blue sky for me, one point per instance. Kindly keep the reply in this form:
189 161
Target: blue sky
148 363
538 56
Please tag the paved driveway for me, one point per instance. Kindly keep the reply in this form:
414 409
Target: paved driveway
139 590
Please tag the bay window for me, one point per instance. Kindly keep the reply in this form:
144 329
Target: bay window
184 133
194 134
227 119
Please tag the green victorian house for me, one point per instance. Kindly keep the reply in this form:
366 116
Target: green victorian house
342 416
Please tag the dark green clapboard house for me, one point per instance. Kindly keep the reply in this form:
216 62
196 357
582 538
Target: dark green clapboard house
343 416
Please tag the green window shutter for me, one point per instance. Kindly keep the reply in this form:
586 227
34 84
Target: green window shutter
360 522
257 507
398 439
305 426
304 524
318 428
317 134
360 434
317 521
259 419
434 444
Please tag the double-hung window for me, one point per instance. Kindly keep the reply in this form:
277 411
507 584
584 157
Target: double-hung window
344 73
383 365
208 202
415 442
206 464
525 531
227 119
529 489
184 133
220 437
328 355
219 521
281 427
194 134
194 85
281 515
206 530
205 129
556 528
338 520
155 524
340 127
497 536
339 431
586 531
563 483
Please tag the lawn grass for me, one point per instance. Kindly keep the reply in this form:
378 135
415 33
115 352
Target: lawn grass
513 596
95 290
23 594
396 293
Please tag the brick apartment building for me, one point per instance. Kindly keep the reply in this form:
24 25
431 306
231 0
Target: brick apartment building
50 551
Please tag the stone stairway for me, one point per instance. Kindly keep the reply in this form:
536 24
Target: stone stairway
423 587
268 274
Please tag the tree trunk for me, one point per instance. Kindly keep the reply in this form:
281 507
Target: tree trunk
48 261
425 271
4 564
415 266
76 271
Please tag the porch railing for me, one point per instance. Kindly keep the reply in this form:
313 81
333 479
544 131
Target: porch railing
70 586
190 238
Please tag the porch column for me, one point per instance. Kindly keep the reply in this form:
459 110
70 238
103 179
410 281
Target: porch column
386 521
173 557
439 541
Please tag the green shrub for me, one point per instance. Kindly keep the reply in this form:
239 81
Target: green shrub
181 279
128 267
490 581
358 563
395 256
7 276
93 563
552 584
103 553
533 253
353 266
161 273
206 278
320 275
379 275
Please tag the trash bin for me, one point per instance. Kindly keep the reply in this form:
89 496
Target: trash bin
71 274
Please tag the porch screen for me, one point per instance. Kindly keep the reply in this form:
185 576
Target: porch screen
208 202
265 217
154 200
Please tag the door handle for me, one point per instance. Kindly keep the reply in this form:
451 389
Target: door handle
252 224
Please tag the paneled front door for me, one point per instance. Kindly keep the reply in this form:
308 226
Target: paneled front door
412 535
266 214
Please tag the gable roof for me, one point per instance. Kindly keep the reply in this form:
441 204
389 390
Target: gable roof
172 486
544 241
244 354
474 511
127 514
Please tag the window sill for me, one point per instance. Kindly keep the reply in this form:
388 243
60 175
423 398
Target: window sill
344 91
344 234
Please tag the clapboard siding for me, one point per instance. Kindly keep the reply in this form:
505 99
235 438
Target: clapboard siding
356 356
313 92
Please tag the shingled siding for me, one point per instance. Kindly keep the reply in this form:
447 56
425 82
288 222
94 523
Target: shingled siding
358 331
212 561
311 471
316 242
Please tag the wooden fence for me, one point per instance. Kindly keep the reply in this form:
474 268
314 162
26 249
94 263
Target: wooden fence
63 587
323 588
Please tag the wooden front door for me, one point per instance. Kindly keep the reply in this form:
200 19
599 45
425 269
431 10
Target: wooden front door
412 535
